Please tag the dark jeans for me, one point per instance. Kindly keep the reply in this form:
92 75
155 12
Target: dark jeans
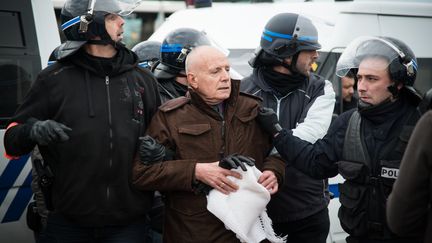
59 230
313 229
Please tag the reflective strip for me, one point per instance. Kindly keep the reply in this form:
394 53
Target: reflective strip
171 48
289 37
267 38
71 22
415 64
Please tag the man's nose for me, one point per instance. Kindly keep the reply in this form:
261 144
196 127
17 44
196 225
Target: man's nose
121 21
361 86
315 55
225 75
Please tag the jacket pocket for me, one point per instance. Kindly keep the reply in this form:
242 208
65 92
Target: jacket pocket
245 117
352 213
187 204
194 129
245 129
196 142
403 139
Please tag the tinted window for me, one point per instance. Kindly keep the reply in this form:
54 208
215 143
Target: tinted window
11 22
14 84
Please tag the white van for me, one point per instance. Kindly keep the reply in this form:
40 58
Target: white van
29 34
238 28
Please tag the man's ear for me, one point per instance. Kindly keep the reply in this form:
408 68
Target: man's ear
400 85
288 60
192 80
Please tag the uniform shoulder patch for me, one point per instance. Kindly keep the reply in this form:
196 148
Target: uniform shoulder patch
174 104
251 96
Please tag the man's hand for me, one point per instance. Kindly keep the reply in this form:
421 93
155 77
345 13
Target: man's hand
49 131
216 177
150 150
269 181
233 161
268 121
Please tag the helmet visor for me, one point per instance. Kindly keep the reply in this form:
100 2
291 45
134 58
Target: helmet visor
215 44
363 48
119 7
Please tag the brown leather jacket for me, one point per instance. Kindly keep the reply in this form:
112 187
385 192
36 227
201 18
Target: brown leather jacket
198 134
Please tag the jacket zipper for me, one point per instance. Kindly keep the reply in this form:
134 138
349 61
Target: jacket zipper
222 151
107 80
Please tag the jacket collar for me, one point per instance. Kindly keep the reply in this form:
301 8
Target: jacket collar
197 101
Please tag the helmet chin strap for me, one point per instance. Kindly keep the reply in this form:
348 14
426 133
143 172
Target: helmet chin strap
393 89
291 67
105 42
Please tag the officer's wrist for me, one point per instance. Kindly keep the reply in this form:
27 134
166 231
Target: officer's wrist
277 130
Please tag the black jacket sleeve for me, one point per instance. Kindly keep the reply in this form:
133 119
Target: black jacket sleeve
316 160
35 106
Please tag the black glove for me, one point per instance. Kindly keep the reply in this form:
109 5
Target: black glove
49 131
150 150
268 121
233 161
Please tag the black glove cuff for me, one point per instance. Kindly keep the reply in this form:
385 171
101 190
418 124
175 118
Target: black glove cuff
200 188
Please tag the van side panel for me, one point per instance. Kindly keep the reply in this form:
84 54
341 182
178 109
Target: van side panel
30 34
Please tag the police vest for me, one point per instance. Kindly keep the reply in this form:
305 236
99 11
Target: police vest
368 182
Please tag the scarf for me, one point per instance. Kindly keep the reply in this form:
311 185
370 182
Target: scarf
283 83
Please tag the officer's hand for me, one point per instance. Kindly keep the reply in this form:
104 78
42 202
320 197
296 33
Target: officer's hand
269 180
268 121
233 161
49 131
150 150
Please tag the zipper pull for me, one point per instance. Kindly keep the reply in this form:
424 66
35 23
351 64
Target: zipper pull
106 80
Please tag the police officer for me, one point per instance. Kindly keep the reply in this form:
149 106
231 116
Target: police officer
148 53
366 145
85 113
170 72
304 102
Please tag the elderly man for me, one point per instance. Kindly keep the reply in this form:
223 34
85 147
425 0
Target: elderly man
213 122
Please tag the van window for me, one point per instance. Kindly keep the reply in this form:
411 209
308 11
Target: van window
424 75
15 81
11 22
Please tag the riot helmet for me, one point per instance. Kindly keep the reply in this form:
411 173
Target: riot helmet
148 53
174 50
402 63
285 35
83 20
